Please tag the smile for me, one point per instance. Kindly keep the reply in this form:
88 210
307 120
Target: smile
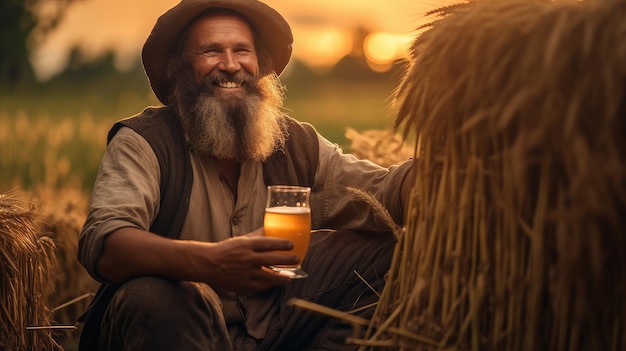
229 85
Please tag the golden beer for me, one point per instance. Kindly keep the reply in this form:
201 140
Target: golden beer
292 223
288 216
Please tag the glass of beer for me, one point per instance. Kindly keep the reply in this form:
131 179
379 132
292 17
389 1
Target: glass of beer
288 216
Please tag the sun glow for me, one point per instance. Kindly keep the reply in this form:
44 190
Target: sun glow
382 49
321 48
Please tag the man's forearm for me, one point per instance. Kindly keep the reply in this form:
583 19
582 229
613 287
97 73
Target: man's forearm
130 252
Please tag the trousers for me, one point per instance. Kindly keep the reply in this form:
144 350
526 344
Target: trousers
151 313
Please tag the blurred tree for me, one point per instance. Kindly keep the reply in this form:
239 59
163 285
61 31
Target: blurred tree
24 24
83 74
354 67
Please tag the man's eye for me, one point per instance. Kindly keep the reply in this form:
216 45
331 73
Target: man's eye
212 52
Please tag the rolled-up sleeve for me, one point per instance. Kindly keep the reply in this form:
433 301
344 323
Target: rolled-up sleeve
125 194
340 206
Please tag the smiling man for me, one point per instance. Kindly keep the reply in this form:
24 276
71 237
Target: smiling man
174 231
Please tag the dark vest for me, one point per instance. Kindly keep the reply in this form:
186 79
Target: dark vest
295 164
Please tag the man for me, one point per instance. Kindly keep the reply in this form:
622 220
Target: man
174 229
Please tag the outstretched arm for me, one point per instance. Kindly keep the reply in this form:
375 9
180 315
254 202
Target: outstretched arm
236 264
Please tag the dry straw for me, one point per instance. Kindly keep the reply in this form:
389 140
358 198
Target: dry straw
44 288
380 146
26 280
62 214
515 232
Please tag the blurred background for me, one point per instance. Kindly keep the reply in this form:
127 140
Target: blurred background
70 68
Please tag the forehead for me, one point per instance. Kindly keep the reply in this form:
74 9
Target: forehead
219 23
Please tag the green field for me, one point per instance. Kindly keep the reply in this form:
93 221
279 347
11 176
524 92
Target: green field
54 136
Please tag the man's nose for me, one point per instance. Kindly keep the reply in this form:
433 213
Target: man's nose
229 62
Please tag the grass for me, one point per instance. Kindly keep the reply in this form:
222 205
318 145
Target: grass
332 109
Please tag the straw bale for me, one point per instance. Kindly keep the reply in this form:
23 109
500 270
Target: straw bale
380 146
62 213
515 233
27 263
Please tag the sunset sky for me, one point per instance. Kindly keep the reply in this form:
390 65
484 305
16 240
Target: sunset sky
322 29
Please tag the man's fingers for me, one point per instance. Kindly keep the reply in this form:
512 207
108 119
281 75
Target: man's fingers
264 278
265 243
273 259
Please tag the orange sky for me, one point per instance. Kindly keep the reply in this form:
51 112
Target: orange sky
322 28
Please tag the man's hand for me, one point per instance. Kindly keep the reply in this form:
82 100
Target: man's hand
240 263
237 264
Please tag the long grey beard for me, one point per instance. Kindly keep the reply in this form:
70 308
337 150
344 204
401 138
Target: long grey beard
248 126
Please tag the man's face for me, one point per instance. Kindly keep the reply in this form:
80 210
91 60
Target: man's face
227 109
220 49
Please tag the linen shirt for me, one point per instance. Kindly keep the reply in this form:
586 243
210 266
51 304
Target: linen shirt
126 194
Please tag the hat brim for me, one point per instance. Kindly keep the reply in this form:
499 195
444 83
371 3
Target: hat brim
271 29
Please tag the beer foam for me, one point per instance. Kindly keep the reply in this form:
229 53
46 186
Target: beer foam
288 210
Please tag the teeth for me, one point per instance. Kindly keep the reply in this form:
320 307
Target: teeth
229 85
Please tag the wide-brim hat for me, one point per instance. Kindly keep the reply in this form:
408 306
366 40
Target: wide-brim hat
269 27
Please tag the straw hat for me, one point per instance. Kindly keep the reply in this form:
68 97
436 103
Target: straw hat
270 28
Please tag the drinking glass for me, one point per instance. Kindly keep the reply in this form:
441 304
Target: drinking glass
288 216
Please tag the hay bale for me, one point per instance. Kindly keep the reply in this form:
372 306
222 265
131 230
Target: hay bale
380 146
62 213
26 279
43 284
516 226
